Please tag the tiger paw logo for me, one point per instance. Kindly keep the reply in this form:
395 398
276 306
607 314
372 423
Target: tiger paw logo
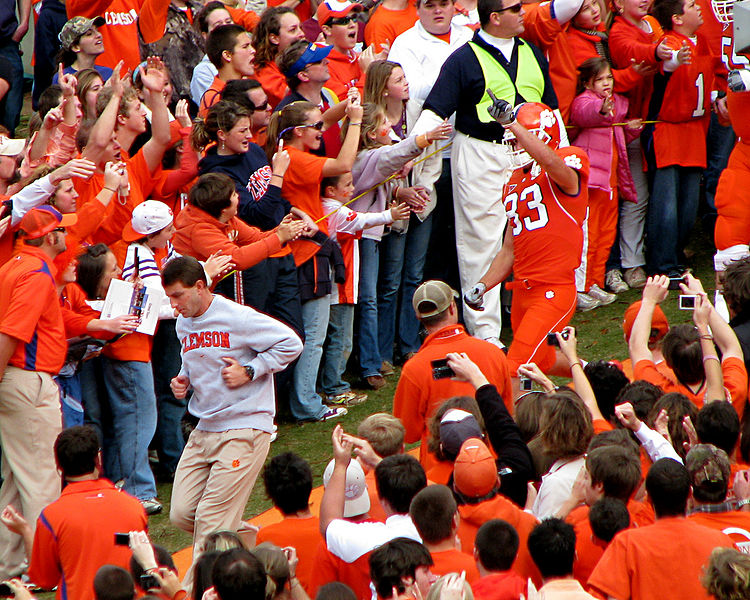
573 161
235 463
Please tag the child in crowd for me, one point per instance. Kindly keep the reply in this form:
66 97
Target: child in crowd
595 109
346 226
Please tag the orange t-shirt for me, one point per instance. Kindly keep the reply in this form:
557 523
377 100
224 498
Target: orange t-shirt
627 368
329 567
124 19
499 586
642 563
247 18
303 535
345 73
385 25
589 549
273 82
735 382
211 96
376 511
302 10
734 523
473 516
302 189
30 312
454 561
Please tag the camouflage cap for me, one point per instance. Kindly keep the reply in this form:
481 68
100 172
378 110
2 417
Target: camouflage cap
75 28
707 465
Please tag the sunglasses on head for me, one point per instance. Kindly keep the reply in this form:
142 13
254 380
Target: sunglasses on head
342 20
515 9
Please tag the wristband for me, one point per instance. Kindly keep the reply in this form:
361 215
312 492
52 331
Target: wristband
710 357
277 175
706 336
360 123
743 502
578 362
110 189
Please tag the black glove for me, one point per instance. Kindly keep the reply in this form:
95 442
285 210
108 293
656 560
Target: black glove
501 110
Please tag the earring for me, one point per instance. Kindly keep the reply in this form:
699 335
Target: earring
222 146
385 94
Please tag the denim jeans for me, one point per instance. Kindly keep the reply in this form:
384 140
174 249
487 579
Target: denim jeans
338 349
719 143
70 400
130 390
369 263
52 17
94 397
304 401
402 258
166 362
672 210
13 100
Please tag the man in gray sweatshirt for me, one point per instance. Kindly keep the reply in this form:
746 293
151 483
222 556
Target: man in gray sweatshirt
229 355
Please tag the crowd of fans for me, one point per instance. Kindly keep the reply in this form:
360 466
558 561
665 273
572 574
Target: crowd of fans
220 203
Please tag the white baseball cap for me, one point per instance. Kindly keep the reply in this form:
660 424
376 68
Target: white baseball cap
148 217
357 499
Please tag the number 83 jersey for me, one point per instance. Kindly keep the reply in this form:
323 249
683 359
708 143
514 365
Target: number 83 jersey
547 223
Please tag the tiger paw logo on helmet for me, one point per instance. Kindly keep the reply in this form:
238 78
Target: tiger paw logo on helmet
573 161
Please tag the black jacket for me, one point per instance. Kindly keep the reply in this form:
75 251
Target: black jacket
314 275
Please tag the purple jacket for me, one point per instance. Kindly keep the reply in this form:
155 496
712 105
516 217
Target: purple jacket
595 137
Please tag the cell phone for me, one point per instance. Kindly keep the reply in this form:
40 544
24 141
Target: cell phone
687 302
122 539
441 370
136 265
552 338
148 582
674 283
526 383
5 591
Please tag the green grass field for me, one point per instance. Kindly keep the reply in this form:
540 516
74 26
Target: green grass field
600 337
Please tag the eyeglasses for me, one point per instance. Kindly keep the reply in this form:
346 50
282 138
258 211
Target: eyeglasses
318 125
342 20
60 229
263 106
515 9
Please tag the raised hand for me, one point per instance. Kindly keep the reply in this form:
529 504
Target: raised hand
501 110
474 298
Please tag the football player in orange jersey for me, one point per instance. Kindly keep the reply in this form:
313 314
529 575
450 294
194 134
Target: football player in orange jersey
546 199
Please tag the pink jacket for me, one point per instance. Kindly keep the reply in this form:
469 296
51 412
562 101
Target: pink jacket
595 137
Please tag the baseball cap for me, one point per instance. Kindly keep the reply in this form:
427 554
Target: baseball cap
432 297
658 321
708 467
312 55
332 9
11 146
148 217
75 28
41 220
456 426
357 500
474 471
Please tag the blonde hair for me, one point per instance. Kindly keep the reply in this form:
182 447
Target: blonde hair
727 575
372 116
384 432
376 81
436 591
276 565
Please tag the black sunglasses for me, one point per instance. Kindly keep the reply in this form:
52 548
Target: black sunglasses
263 106
60 229
515 9
318 125
342 20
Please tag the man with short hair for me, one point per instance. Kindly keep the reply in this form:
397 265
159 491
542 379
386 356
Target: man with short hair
113 583
339 23
642 563
495 550
552 545
238 575
419 392
75 534
229 355
32 351
401 567
288 482
435 515
230 50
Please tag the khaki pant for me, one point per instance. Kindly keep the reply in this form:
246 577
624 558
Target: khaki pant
30 421
213 481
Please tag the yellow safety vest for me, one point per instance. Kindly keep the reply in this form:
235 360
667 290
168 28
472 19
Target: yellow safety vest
529 81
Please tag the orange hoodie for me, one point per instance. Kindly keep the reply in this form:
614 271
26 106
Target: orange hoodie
200 235
473 516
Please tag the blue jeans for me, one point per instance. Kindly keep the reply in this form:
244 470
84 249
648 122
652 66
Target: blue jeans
304 401
166 361
13 100
719 144
672 210
369 263
130 390
94 397
70 399
402 258
340 333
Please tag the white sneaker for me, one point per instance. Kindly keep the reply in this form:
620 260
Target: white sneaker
614 282
599 294
586 302
635 277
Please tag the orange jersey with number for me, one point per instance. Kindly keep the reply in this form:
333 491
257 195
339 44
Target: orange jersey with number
546 222
685 107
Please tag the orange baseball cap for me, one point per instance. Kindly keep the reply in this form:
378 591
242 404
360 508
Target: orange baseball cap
658 322
41 220
474 471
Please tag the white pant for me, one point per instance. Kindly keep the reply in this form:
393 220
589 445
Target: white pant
480 170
